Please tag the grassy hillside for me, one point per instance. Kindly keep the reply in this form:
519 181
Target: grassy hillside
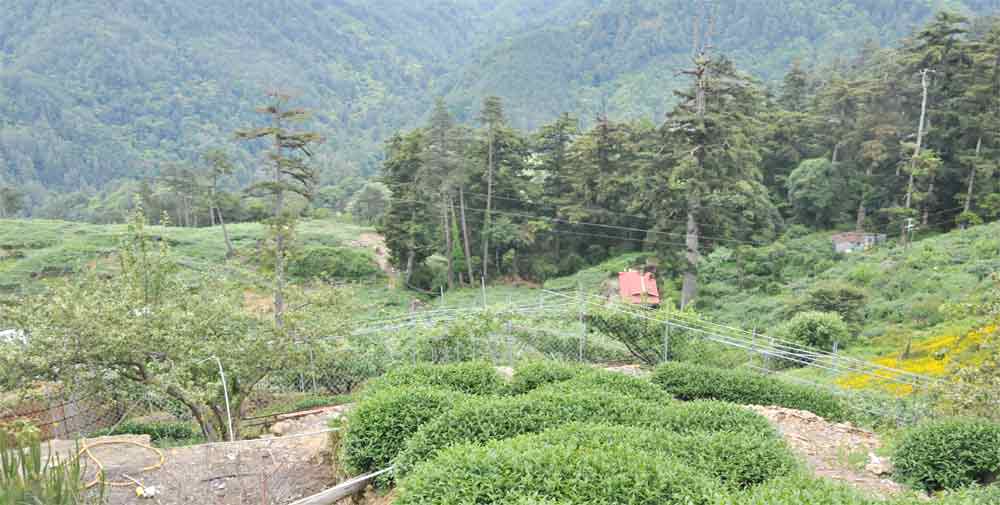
912 297
32 251
908 293
907 290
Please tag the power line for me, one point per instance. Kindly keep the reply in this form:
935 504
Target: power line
477 210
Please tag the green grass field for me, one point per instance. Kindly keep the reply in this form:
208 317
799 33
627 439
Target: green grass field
33 251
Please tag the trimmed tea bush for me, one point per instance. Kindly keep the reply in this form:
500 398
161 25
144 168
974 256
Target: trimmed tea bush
800 489
509 471
477 378
533 374
949 453
481 420
687 381
378 427
611 382
333 263
737 459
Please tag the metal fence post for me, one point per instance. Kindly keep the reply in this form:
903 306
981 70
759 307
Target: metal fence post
510 342
833 358
666 342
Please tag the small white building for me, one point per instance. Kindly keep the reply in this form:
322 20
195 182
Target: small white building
853 241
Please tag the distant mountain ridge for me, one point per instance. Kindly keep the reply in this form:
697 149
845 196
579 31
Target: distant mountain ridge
96 91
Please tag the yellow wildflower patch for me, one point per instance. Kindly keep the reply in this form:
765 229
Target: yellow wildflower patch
934 357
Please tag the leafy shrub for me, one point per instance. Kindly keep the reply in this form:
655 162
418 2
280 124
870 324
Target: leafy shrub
738 459
342 371
949 453
157 430
498 418
611 382
26 477
478 378
816 329
508 471
688 381
530 375
378 427
839 297
641 334
463 339
340 263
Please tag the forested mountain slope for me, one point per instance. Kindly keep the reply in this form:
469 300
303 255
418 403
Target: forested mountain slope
95 91
624 57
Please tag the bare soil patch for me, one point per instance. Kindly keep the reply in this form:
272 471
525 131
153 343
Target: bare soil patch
271 471
837 451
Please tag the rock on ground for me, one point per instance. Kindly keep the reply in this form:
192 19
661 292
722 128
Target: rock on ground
828 448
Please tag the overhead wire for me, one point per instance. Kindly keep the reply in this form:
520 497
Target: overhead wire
892 230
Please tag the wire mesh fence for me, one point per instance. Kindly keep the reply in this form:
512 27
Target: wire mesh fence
61 413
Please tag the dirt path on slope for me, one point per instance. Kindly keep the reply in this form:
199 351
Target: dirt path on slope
376 243
271 471
836 451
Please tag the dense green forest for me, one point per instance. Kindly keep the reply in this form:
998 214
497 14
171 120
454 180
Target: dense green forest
97 96
891 142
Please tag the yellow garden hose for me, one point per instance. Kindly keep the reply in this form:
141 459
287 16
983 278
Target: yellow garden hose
99 478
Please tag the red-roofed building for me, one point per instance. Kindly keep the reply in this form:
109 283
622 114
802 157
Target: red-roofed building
638 288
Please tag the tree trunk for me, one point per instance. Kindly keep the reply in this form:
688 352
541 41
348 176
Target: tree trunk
449 246
972 177
862 211
690 288
230 251
211 213
279 245
410 257
465 235
927 202
489 207
916 151
199 416
920 140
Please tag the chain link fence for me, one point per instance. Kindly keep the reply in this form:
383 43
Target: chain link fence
59 413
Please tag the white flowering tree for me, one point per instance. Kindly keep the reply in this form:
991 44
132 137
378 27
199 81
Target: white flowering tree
149 327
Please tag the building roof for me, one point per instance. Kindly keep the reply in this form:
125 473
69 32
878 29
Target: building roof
852 237
638 288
